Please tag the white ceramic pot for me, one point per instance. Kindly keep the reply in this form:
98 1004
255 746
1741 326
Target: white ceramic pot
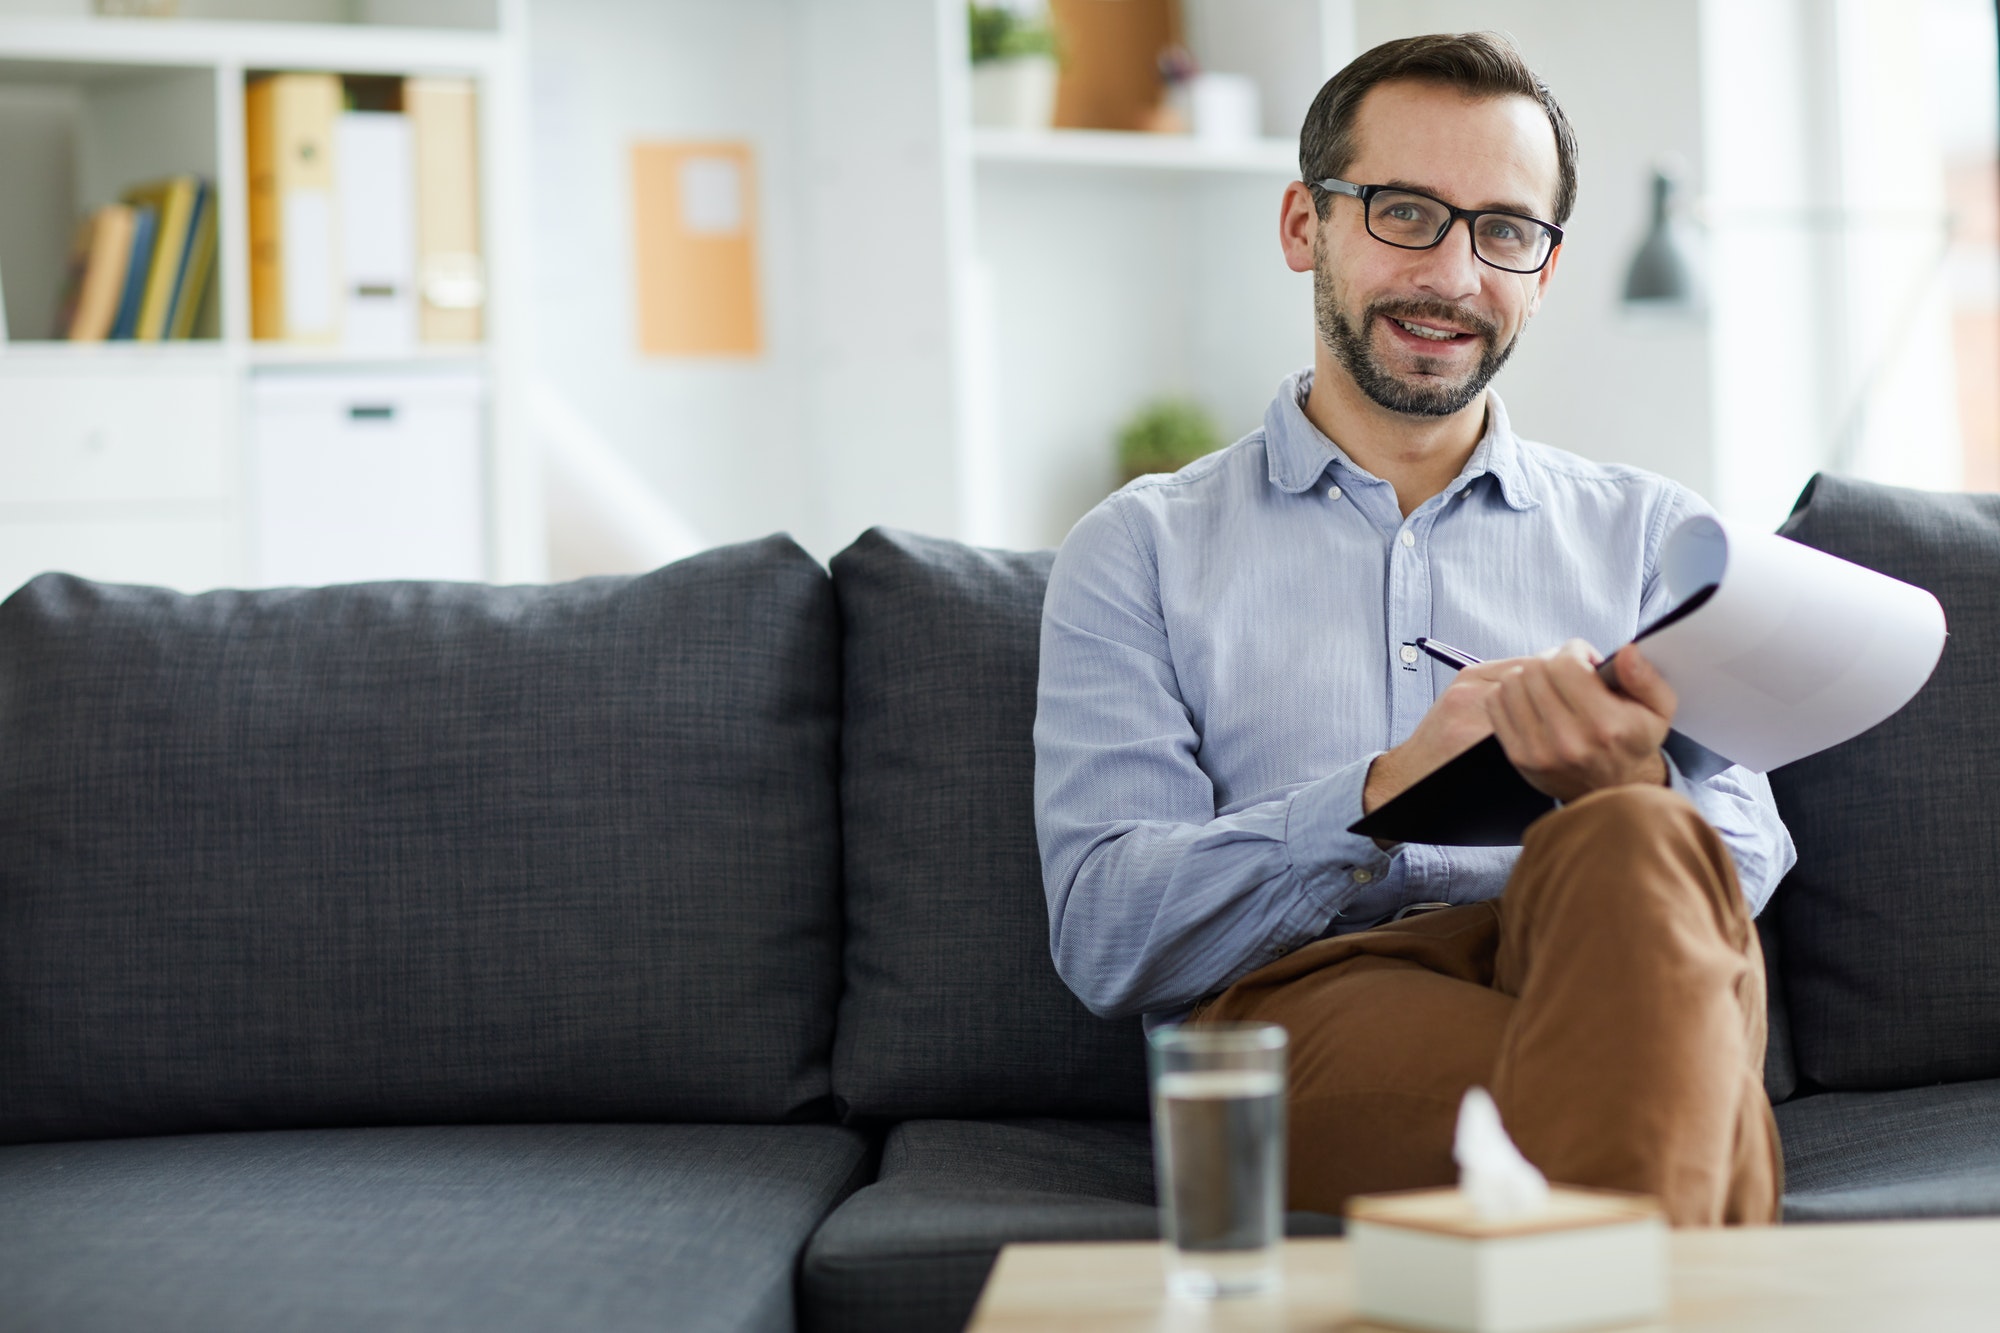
1018 93
1223 108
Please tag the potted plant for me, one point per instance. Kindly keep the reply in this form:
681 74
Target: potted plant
1165 436
1013 68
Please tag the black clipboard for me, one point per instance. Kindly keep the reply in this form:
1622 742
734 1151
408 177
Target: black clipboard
1479 799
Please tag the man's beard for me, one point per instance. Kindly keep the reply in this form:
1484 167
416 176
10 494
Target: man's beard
1435 398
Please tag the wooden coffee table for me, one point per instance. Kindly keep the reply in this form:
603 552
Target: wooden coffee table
1871 1277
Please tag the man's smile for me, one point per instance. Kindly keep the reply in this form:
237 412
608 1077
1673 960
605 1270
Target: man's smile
1429 335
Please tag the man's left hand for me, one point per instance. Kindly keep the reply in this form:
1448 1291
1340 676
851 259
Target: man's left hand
1571 734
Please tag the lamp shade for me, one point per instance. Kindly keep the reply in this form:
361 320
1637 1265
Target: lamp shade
1663 272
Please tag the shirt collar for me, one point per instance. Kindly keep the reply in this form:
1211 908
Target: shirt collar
1300 454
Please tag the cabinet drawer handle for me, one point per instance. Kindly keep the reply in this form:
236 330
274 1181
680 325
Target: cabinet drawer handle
371 412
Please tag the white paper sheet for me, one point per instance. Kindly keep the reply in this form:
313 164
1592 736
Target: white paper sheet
1797 650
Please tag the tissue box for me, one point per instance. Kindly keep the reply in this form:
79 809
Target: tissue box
1424 1259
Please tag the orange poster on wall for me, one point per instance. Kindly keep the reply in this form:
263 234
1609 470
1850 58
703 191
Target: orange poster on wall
694 219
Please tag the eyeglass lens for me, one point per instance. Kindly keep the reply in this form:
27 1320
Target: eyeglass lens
1416 222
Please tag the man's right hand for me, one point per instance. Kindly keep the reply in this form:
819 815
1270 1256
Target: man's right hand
1456 722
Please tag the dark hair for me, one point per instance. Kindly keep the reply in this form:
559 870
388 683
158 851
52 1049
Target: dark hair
1478 64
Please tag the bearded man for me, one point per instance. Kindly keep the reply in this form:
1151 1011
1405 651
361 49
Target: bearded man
1230 679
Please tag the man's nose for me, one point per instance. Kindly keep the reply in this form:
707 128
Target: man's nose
1450 270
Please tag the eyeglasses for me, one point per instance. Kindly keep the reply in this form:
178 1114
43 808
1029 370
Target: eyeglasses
1412 221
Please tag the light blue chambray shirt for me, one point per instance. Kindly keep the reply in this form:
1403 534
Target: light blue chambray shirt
1225 650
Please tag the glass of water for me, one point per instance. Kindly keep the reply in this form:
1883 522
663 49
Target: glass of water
1219 1154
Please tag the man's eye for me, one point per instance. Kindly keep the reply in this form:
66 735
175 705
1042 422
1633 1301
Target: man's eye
1503 231
1405 212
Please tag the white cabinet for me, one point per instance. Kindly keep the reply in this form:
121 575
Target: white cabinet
78 435
360 478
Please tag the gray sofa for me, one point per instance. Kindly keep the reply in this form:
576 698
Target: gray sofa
669 952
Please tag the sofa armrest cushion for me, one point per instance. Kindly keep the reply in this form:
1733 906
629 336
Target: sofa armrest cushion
953 1006
1889 921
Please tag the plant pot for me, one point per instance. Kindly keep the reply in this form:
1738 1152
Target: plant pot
1018 93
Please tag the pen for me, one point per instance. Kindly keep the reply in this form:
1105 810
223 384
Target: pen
1459 661
1447 654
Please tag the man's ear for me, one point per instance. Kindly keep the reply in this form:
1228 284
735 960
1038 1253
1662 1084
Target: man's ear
1298 227
1542 279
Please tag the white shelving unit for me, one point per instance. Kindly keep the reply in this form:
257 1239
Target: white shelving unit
1139 152
129 461
1101 270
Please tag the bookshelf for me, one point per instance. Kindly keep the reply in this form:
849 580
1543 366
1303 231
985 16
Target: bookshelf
1100 270
136 461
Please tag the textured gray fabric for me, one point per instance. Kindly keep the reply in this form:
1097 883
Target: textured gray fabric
1781 1075
410 853
1921 1152
1890 923
952 1005
911 1251
486 1229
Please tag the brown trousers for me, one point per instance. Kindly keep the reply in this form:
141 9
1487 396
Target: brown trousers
1612 1000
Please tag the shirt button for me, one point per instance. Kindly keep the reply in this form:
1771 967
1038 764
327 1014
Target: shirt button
1407 653
1409 538
1363 876
1333 492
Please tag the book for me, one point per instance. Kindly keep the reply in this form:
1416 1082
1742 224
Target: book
451 282
197 265
173 201
294 259
138 266
1775 651
99 254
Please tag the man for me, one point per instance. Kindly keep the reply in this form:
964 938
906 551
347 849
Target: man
1229 680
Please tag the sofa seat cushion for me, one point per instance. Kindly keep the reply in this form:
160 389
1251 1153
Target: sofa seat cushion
483 1228
911 1251
1922 1152
420 853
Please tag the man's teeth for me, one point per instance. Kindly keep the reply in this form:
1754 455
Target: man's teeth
1435 335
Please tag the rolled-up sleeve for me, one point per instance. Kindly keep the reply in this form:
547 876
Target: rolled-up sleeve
1156 898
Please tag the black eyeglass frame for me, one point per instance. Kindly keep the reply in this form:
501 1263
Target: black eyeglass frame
1366 194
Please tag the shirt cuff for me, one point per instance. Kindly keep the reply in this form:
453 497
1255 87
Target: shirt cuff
1332 862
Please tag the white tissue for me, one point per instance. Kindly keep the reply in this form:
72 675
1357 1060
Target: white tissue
1500 1183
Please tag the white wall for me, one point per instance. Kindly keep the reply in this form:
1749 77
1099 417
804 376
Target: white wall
720 440
847 417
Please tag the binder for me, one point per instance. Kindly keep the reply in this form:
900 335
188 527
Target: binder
294 261
451 280
173 200
145 224
99 256
377 222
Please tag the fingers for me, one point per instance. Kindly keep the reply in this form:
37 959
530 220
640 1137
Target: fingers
1642 680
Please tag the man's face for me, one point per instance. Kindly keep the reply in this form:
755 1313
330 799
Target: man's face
1422 332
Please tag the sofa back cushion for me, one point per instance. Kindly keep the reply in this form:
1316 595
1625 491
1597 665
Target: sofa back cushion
952 1005
1890 923
407 853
